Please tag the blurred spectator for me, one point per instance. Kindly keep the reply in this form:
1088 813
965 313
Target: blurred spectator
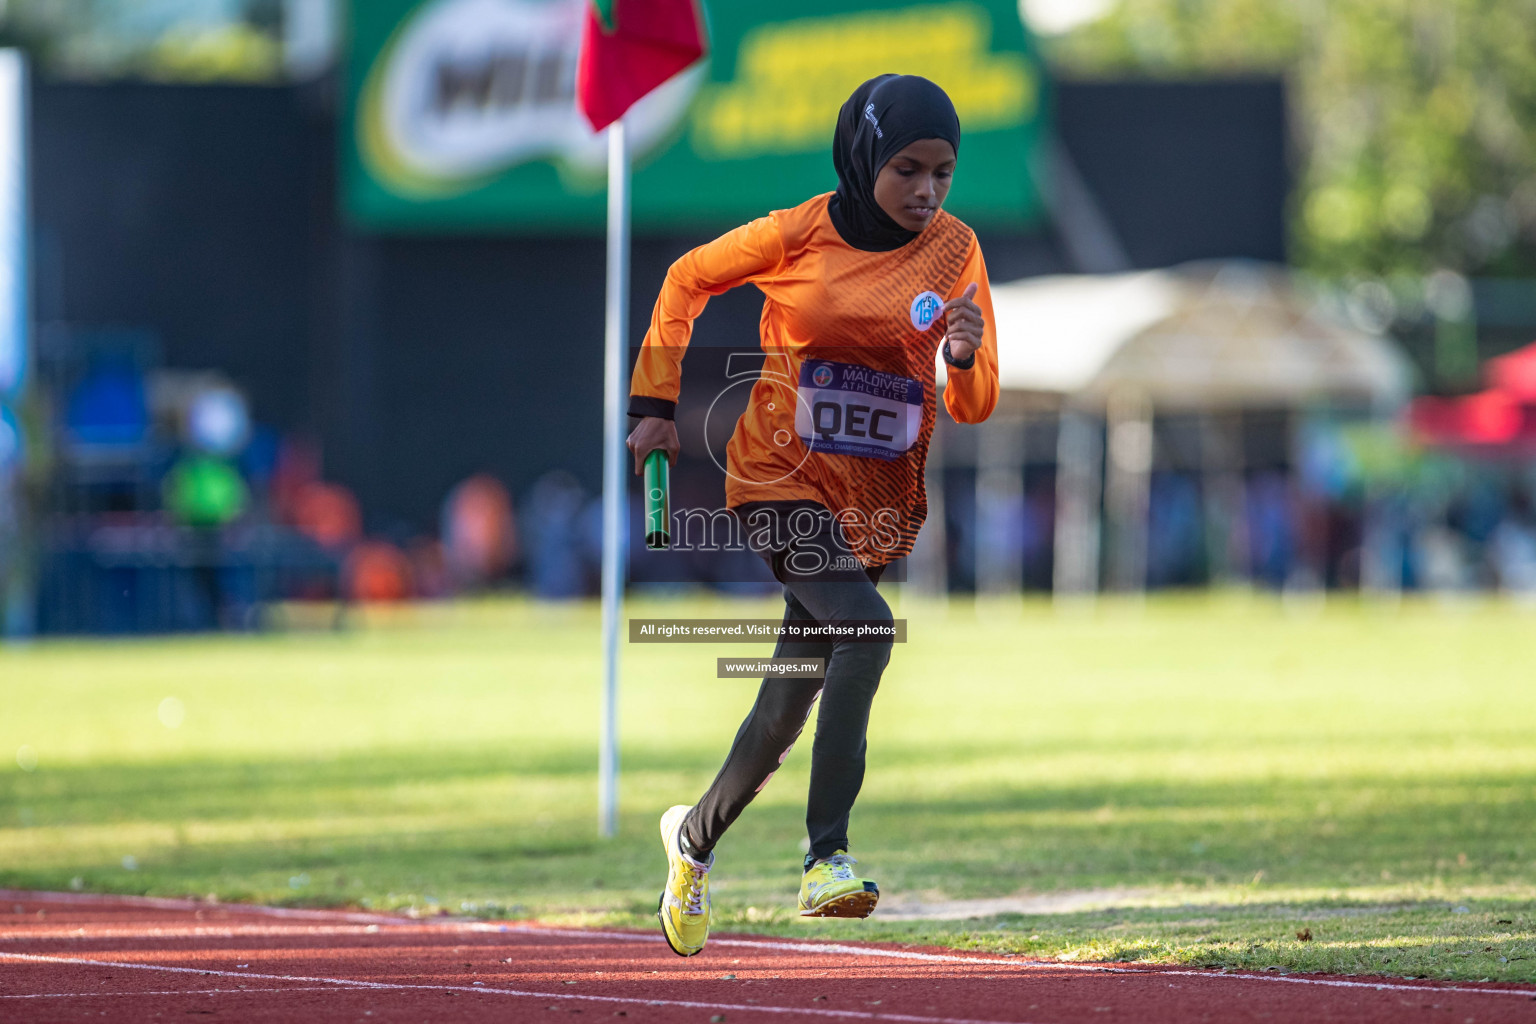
556 553
429 568
589 539
108 405
297 466
1271 528
259 462
217 421
1175 538
479 535
326 513
1039 533
15 615
1511 549
1440 559
377 571
204 491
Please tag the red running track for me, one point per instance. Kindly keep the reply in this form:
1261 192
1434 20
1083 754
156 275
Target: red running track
68 957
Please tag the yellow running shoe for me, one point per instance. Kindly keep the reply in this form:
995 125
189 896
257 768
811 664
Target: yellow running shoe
684 905
829 889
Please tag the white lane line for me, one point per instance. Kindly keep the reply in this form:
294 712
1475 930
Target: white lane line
171 992
906 954
226 931
347 983
787 945
167 969
163 903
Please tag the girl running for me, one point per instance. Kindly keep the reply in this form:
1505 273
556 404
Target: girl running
862 287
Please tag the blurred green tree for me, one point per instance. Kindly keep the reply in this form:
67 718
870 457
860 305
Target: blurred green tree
181 40
1414 120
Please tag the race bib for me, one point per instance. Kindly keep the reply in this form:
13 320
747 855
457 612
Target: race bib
847 409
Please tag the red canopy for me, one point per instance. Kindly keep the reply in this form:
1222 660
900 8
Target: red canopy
1502 415
1489 417
1515 374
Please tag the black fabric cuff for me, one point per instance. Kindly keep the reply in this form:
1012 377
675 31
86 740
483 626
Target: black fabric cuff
644 405
959 364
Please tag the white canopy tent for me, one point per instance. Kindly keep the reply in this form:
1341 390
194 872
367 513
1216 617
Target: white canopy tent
1202 338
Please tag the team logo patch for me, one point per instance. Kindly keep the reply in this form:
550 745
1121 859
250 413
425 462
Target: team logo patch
822 376
926 309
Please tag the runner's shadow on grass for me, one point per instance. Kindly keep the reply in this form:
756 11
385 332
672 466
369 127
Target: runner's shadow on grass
520 826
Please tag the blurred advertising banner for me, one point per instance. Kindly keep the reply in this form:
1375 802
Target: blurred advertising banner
14 277
462 113
16 593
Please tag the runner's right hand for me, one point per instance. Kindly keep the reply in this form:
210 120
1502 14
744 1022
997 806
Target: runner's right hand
651 433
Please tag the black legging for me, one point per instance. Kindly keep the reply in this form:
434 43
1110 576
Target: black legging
853 669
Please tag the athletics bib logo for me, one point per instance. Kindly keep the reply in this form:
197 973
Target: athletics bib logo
926 309
847 409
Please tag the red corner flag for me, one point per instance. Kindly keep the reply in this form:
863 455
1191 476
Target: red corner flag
628 48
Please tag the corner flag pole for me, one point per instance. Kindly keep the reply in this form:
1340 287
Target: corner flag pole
615 362
628 49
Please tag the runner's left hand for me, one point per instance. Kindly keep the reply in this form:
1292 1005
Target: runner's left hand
963 324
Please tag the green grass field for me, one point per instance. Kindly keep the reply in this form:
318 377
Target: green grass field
1198 779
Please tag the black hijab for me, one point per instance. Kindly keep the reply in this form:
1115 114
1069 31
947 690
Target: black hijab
883 116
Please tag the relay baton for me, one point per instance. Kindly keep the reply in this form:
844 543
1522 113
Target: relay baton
658 501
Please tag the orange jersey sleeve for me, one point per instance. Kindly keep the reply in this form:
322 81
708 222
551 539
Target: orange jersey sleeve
971 393
752 251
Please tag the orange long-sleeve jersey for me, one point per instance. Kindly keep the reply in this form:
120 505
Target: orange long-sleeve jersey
844 407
